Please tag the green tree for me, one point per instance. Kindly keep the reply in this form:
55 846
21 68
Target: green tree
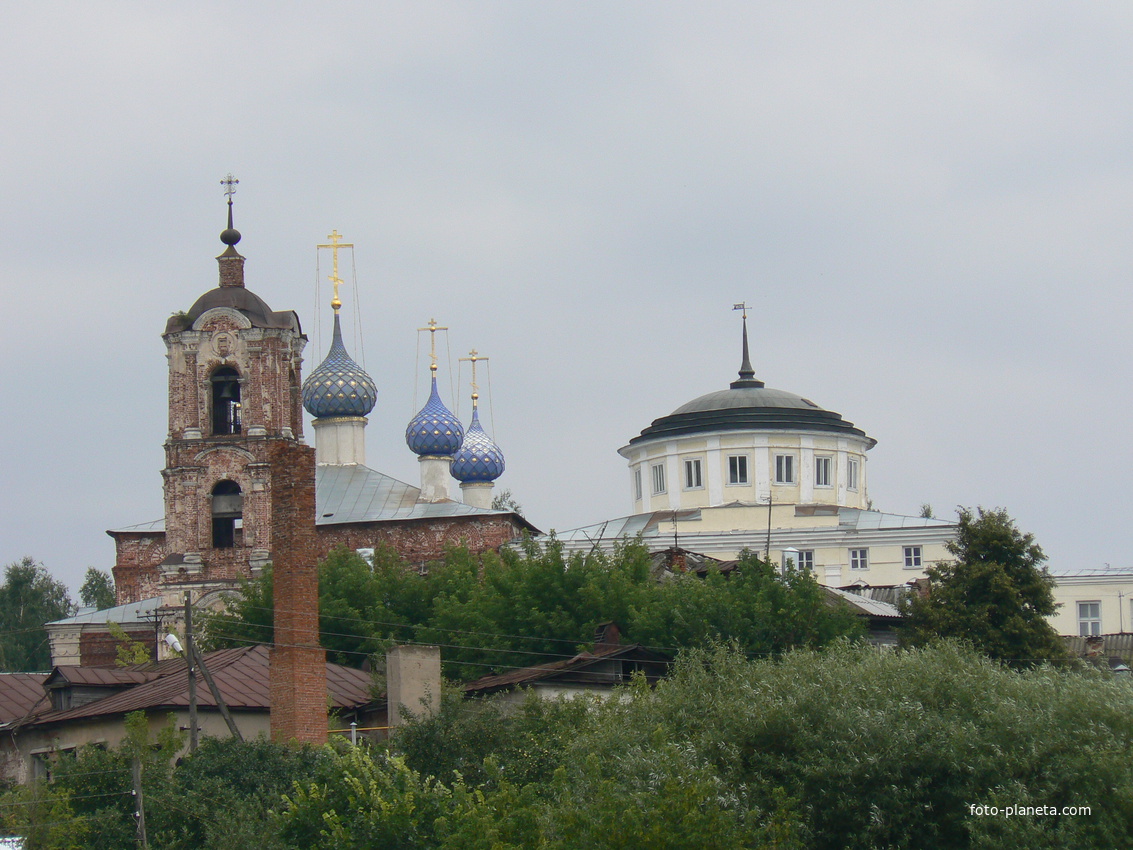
505 501
29 597
996 593
97 590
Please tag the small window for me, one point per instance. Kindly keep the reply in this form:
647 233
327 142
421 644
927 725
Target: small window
822 472
859 559
737 469
693 478
658 479
784 469
1089 619
806 560
912 557
852 473
637 483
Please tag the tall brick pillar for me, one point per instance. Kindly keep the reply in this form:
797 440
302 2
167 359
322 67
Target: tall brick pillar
298 664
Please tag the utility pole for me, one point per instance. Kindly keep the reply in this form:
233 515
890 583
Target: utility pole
190 657
140 810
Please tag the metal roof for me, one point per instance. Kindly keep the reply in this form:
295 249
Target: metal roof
19 694
131 612
576 668
647 524
355 493
241 675
748 407
861 519
872 607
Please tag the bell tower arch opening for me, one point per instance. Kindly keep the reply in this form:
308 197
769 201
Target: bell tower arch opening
225 401
227 514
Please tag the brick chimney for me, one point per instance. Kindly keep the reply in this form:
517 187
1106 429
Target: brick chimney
298 673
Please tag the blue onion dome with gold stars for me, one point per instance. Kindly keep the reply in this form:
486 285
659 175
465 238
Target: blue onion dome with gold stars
479 458
434 431
339 386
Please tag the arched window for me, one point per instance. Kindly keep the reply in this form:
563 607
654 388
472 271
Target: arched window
225 401
227 514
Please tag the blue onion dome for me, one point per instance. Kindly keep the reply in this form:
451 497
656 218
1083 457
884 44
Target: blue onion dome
339 386
434 431
479 458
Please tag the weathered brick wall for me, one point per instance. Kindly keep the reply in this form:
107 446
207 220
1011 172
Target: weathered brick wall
298 664
135 564
422 540
100 648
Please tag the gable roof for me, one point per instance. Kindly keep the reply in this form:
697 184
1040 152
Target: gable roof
241 675
20 693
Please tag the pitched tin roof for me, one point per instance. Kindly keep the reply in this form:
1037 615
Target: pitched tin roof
354 493
241 675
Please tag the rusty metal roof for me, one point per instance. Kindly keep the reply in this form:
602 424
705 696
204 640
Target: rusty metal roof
19 694
240 674
573 669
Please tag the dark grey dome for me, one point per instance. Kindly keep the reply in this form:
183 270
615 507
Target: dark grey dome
238 298
749 408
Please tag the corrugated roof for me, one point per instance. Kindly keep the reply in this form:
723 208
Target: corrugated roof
862 519
872 607
19 694
131 612
356 493
241 675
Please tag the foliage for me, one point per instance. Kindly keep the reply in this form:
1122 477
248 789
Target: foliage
755 607
97 590
847 747
996 593
505 501
232 790
507 610
128 650
29 597
488 741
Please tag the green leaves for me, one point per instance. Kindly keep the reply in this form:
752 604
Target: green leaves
996 594
29 597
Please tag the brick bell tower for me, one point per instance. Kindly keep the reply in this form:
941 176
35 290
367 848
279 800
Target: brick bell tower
234 403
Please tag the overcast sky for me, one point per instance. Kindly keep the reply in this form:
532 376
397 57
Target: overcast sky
928 205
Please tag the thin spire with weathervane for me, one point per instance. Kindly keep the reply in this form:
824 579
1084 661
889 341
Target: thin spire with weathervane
747 374
231 263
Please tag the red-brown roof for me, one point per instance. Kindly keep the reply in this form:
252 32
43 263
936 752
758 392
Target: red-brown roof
241 675
19 694
573 669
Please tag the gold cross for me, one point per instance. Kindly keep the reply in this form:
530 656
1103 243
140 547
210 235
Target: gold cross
473 357
335 243
432 329
229 183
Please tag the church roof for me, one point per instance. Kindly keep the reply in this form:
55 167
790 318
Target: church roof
355 493
339 386
748 405
254 308
749 408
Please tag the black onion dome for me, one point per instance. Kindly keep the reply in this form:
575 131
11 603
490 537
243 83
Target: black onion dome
749 408
240 299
